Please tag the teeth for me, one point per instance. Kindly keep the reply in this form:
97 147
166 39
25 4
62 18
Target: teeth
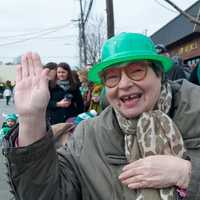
133 96
126 98
130 97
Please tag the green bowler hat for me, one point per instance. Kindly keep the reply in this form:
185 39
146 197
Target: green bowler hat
127 47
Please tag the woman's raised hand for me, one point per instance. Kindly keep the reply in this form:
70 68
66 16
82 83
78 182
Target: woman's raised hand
31 93
31 98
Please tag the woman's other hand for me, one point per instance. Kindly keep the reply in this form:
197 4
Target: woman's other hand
31 98
157 171
63 103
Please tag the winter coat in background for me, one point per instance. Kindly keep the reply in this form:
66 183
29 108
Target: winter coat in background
195 75
7 92
58 115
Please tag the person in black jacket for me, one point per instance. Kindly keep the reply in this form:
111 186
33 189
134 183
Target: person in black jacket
65 97
195 75
177 71
52 66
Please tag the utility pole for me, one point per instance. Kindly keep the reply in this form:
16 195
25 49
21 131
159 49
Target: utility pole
80 43
110 19
78 21
82 26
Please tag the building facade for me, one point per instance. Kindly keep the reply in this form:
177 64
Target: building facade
182 37
7 72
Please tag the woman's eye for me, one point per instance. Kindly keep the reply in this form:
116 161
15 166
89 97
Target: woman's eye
112 76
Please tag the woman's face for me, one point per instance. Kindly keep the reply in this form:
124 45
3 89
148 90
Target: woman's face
82 77
62 74
131 98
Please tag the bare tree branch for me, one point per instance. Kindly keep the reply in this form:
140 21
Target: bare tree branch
188 16
95 37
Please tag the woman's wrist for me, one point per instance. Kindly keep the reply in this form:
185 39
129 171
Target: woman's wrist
185 175
31 129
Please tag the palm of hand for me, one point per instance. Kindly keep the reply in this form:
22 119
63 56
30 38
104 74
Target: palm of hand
30 96
31 91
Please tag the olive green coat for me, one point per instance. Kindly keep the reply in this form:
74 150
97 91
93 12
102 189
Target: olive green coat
89 166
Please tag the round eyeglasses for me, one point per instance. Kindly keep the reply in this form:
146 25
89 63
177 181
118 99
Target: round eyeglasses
136 71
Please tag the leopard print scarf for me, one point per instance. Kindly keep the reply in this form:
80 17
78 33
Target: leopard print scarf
153 133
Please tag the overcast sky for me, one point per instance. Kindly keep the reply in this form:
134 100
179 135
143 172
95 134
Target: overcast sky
45 26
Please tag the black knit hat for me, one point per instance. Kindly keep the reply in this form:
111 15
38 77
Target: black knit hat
161 48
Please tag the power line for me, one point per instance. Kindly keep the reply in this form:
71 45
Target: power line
13 57
58 37
33 33
31 38
165 7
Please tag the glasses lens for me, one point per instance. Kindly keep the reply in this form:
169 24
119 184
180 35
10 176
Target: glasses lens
136 71
111 77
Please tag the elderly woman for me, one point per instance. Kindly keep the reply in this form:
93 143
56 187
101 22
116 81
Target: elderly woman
145 145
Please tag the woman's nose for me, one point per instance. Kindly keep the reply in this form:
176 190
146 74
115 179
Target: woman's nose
125 81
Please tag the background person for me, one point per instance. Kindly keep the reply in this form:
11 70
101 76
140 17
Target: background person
65 98
52 67
11 121
177 71
195 75
7 92
113 155
95 98
85 87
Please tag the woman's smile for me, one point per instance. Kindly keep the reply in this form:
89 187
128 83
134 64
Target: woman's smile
131 100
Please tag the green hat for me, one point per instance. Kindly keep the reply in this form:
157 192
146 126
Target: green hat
127 47
11 117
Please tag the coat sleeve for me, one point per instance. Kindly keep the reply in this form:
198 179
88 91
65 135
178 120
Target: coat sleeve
194 186
186 117
37 171
78 100
52 104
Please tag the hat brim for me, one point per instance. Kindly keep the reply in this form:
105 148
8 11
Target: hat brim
94 72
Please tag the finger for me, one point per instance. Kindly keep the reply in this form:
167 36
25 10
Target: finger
25 70
37 63
133 179
30 63
134 164
18 73
138 185
142 182
145 181
129 173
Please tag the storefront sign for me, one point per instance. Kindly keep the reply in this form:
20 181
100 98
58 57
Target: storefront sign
187 48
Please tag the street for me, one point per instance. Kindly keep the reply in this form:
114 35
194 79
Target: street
4 188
